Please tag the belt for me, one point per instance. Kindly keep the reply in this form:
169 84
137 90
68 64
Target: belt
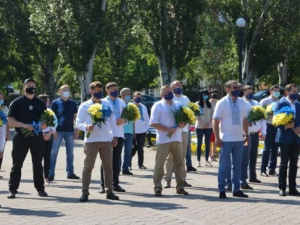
252 133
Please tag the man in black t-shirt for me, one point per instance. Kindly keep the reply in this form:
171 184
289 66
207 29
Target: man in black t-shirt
23 111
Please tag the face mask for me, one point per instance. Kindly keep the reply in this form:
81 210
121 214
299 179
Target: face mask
137 100
169 96
214 96
127 98
293 96
30 90
276 94
98 95
205 97
177 91
66 94
235 93
241 94
1 102
249 96
114 93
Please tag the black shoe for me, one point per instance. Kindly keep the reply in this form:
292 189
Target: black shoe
239 194
190 169
246 186
273 174
264 174
294 192
12 194
118 188
126 172
157 193
101 190
229 187
186 184
254 181
42 194
282 193
73 176
84 198
110 195
182 192
222 195
50 178
142 167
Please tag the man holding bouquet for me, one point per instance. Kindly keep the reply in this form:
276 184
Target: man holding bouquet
97 139
24 111
168 140
288 139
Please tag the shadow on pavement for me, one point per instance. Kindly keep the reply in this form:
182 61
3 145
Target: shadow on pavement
30 212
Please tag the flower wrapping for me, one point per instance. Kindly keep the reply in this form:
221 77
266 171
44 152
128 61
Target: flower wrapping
283 116
257 113
3 118
36 129
131 112
99 114
195 108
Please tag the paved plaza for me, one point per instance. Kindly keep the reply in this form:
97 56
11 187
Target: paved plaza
138 204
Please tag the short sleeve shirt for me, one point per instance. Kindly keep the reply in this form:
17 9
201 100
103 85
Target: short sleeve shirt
64 111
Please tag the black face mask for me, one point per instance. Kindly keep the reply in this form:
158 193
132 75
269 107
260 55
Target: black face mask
30 90
241 94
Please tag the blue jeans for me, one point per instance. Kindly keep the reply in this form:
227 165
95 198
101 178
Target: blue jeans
69 141
188 159
207 134
270 150
127 151
235 150
245 162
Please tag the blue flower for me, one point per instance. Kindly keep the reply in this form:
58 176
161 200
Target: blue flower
3 117
285 109
106 111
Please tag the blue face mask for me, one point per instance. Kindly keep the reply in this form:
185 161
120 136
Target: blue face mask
235 93
1 102
98 95
137 100
169 96
293 96
177 91
205 97
249 96
114 93
127 98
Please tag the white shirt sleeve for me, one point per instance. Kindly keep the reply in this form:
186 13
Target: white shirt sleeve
154 118
112 122
80 121
218 112
146 117
2 138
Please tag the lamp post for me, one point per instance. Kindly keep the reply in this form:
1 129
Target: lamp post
241 23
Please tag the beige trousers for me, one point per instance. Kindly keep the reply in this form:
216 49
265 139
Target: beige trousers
162 152
91 150
169 162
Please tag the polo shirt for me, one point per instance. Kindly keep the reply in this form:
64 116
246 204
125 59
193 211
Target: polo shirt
231 115
64 111
26 110
162 113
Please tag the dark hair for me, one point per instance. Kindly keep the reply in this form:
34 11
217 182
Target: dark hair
111 84
95 84
274 86
44 97
289 87
201 100
247 87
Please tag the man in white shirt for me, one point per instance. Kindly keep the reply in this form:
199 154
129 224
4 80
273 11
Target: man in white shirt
229 125
100 140
162 119
184 100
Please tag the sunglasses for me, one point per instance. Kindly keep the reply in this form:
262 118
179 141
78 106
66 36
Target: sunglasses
235 88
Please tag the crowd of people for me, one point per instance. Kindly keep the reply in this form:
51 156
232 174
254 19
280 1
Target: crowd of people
223 123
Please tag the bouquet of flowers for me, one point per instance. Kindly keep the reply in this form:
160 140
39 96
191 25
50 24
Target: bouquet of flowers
183 115
99 114
270 109
131 112
48 117
195 108
283 116
257 113
36 129
3 118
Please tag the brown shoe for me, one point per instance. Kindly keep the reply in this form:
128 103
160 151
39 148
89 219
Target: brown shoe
157 193
182 192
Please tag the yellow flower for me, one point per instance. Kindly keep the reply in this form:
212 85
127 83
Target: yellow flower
282 119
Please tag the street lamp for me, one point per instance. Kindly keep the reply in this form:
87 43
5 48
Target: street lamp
241 23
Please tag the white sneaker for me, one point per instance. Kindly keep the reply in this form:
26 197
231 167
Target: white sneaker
208 164
198 164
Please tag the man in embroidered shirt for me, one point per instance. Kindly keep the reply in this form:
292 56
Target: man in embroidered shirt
184 100
229 125
162 119
100 140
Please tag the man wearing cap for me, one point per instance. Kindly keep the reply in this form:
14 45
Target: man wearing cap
23 112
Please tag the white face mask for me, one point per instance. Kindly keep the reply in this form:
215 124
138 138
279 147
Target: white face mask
66 94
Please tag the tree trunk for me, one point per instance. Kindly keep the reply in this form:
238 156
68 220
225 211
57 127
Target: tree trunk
173 73
282 73
163 67
49 78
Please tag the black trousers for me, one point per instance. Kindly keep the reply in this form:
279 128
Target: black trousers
290 153
21 145
116 163
140 141
47 155
253 155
